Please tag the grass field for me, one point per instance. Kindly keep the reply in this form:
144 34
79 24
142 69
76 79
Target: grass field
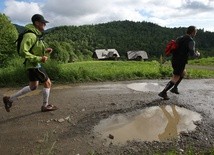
87 71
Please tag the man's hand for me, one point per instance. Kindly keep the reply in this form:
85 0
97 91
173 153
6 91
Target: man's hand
197 54
44 59
48 50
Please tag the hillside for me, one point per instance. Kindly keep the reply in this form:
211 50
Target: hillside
123 36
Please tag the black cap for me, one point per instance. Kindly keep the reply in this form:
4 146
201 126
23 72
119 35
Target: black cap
39 18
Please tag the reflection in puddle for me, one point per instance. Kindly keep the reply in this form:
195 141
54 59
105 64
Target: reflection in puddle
145 87
153 123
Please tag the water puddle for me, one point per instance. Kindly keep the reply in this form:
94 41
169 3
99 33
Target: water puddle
145 87
103 87
153 123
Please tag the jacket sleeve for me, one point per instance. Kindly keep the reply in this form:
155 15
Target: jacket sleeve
192 51
27 43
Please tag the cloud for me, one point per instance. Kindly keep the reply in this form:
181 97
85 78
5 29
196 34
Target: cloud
90 11
73 8
179 13
21 12
197 6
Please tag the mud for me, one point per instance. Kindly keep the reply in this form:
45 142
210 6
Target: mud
70 129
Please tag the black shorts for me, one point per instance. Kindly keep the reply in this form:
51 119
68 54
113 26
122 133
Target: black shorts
178 68
37 74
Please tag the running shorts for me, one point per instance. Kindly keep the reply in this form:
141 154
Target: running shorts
37 74
178 68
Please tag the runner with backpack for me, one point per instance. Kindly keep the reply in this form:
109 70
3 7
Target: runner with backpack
31 46
185 46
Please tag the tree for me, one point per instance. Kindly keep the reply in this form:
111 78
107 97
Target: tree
123 36
8 35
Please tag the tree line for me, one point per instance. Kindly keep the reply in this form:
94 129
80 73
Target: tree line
77 43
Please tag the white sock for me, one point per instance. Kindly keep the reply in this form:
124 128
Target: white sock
21 92
46 94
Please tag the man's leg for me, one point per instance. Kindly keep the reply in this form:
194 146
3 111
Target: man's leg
175 88
163 93
41 74
169 85
8 100
32 86
46 93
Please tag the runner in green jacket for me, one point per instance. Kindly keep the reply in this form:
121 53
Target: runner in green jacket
34 51
32 48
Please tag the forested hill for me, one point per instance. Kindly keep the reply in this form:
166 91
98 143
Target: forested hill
81 41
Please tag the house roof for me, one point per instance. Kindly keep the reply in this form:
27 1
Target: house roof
135 54
105 53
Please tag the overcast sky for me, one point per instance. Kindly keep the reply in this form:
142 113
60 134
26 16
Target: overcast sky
169 13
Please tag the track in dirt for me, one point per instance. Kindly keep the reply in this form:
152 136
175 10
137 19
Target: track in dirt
70 130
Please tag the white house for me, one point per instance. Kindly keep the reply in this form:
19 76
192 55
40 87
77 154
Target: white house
137 55
109 54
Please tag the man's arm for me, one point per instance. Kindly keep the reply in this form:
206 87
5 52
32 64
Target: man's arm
192 50
28 41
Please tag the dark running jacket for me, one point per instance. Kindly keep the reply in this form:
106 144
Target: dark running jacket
186 48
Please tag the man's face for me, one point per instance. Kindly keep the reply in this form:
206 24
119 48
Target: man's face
40 26
194 33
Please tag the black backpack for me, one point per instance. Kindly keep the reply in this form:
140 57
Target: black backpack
20 38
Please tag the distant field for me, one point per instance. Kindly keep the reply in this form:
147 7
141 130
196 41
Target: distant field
87 71
203 62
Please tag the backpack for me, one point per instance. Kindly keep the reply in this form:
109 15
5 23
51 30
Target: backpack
20 38
171 46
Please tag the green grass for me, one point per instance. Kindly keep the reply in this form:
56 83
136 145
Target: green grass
203 61
108 70
87 71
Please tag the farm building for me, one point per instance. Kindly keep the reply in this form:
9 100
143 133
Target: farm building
106 54
137 55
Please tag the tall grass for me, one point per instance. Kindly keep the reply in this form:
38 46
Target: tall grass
108 70
203 61
200 73
86 71
13 74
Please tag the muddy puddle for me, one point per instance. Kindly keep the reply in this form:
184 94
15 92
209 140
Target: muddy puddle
158 123
145 87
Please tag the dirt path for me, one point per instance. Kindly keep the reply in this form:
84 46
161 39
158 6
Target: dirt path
70 129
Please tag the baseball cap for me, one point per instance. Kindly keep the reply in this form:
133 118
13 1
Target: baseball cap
39 18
